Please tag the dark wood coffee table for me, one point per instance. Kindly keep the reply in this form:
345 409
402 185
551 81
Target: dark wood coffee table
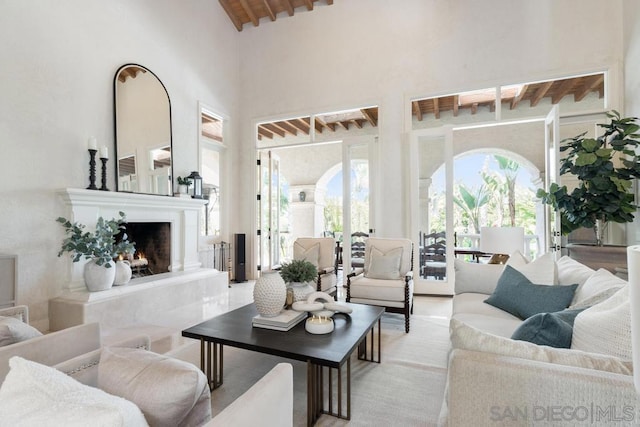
329 351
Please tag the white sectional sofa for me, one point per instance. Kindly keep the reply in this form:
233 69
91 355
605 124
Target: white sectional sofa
74 378
496 380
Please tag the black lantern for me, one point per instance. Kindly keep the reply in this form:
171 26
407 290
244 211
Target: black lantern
197 185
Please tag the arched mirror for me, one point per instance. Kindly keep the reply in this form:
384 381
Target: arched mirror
142 115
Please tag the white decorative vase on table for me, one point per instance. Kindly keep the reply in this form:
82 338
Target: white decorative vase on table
301 290
123 273
99 277
269 294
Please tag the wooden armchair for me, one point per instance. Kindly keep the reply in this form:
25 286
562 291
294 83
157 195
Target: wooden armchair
387 277
320 252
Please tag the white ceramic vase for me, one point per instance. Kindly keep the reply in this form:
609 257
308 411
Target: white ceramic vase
269 294
99 277
301 290
123 273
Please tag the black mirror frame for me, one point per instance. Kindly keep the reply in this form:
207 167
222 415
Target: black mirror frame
115 127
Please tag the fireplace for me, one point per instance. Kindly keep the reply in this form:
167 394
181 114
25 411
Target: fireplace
153 247
173 217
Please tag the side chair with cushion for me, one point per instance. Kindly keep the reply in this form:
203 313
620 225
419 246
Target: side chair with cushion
320 252
387 277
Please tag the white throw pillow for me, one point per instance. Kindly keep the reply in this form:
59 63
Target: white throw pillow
466 337
13 330
384 265
37 395
164 388
311 254
605 328
476 277
541 271
599 282
571 271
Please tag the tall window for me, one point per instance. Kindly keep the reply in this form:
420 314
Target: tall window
211 154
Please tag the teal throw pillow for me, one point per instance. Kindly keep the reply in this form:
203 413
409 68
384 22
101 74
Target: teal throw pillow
516 294
552 329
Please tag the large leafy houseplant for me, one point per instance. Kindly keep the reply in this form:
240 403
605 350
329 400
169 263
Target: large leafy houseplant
298 271
605 167
99 245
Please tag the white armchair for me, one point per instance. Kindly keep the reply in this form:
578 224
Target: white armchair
387 277
320 251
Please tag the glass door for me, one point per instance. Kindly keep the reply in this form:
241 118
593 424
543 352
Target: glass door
431 157
269 210
552 175
357 201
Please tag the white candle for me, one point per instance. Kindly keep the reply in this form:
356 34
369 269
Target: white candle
93 143
104 154
633 265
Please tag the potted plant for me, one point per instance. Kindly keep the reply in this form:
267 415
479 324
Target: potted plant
605 167
98 246
183 185
299 275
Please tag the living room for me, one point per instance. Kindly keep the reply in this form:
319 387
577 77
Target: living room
60 60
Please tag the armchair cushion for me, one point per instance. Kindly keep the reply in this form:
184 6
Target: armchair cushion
38 395
384 245
13 330
326 250
164 388
311 253
364 288
384 265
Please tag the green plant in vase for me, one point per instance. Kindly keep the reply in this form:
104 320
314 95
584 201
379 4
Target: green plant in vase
605 167
299 276
99 247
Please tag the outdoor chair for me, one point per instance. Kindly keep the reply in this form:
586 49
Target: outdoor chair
387 277
433 256
320 252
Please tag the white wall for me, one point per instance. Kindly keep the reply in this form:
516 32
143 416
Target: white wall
56 79
378 52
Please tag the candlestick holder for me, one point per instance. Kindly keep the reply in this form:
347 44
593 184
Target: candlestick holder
104 174
92 170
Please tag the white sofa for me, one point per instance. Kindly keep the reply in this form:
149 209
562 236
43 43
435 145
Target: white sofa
495 380
167 390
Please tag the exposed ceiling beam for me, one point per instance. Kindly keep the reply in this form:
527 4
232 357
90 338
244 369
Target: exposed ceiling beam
492 106
417 110
562 91
267 6
358 123
300 124
345 125
436 107
329 2
474 108
232 16
288 6
540 93
264 132
590 84
319 124
456 101
367 115
274 129
309 4
247 8
516 99
286 126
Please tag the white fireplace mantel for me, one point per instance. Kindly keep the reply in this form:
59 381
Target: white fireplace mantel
86 206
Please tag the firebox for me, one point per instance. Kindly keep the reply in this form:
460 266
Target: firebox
153 247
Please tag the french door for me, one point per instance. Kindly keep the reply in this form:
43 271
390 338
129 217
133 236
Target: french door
431 161
269 196
552 221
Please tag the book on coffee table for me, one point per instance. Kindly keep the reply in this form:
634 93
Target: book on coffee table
284 321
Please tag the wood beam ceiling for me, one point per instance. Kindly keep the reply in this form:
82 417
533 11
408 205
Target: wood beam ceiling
242 12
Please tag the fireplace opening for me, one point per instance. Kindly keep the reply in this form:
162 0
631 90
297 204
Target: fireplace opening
153 247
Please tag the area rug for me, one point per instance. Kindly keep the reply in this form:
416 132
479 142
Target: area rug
405 389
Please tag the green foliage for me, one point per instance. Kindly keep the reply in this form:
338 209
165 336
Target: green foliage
298 270
471 201
605 167
99 245
184 181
